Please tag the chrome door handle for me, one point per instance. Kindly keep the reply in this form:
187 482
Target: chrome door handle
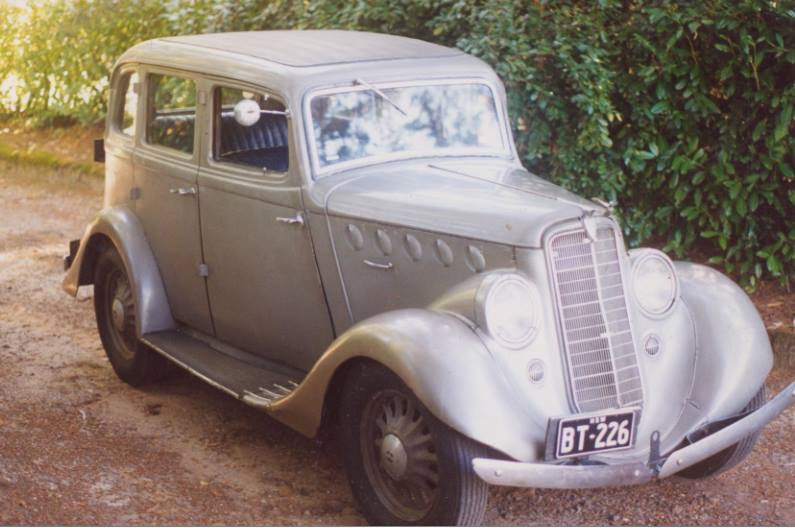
183 191
386 267
298 219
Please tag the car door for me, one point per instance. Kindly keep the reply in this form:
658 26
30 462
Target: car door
264 288
166 171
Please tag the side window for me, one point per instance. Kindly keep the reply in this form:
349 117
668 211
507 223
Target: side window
171 112
125 117
250 129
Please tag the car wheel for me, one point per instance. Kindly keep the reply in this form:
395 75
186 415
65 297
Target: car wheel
732 455
404 465
114 306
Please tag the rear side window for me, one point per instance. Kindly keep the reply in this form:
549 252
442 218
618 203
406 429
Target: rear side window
171 112
125 118
250 129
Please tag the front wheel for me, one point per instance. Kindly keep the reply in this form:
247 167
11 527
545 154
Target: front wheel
732 455
403 464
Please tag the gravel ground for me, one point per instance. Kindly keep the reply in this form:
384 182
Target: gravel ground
77 446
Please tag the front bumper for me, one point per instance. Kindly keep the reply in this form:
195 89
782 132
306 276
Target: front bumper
535 475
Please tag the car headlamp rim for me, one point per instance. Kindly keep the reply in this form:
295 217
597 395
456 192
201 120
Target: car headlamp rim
641 258
487 296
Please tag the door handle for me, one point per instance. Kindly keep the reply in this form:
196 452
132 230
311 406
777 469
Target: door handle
297 220
183 191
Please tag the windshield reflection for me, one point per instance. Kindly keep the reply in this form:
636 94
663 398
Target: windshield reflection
446 117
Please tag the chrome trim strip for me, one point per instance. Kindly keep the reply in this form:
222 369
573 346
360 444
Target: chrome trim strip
551 476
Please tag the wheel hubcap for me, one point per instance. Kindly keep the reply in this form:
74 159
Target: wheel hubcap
117 312
393 456
121 312
399 455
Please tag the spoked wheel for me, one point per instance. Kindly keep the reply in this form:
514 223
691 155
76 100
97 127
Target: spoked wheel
121 312
404 465
114 306
399 455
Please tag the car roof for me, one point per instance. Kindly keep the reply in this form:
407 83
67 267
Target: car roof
306 48
292 62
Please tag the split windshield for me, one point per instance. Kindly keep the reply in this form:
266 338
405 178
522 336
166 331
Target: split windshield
437 119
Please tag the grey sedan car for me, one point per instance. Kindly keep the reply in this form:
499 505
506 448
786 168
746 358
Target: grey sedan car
335 227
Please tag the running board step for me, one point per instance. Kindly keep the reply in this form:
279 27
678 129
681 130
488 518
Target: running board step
254 384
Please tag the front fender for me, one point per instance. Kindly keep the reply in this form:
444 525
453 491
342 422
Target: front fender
442 361
122 228
733 353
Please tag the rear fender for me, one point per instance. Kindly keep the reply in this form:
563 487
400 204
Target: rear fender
442 360
120 227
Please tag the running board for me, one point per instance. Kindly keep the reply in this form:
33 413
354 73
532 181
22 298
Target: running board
256 385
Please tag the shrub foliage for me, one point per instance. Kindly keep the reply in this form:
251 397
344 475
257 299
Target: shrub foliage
682 112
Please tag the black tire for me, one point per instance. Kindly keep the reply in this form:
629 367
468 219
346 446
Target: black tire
732 455
437 485
133 361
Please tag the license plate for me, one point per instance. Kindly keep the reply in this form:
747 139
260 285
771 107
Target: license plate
598 433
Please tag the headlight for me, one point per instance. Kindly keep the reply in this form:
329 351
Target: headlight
507 309
654 282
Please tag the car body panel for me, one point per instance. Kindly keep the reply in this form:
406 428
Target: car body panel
167 216
383 266
439 196
264 278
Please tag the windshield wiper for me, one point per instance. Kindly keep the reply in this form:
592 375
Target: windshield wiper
381 94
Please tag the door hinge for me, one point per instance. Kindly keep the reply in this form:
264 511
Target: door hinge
135 193
203 270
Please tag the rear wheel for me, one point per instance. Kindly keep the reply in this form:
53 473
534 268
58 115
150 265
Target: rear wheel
732 455
404 465
114 306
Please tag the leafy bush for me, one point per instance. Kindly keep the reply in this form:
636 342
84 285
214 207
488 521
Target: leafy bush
63 51
682 112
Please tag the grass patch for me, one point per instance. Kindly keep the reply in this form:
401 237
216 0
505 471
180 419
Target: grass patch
55 178
48 160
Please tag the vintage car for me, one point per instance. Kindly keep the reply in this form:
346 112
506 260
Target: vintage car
335 227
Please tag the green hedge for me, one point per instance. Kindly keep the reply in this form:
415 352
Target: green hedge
679 111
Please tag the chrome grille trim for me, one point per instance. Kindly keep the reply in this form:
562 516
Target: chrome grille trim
598 344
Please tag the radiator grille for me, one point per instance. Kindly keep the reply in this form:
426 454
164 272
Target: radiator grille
597 337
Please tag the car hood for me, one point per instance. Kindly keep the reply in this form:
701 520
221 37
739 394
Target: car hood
493 201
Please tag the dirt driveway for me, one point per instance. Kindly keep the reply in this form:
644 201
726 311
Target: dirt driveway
77 446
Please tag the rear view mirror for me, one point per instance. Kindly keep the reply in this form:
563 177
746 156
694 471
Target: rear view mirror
247 112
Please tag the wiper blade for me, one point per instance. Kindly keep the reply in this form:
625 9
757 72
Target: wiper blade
381 94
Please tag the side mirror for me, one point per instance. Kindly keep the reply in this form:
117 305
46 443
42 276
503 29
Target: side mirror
99 150
247 112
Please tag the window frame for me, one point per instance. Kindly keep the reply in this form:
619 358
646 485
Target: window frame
120 99
319 172
213 86
149 100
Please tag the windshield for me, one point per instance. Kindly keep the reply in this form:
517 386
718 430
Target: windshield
438 119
